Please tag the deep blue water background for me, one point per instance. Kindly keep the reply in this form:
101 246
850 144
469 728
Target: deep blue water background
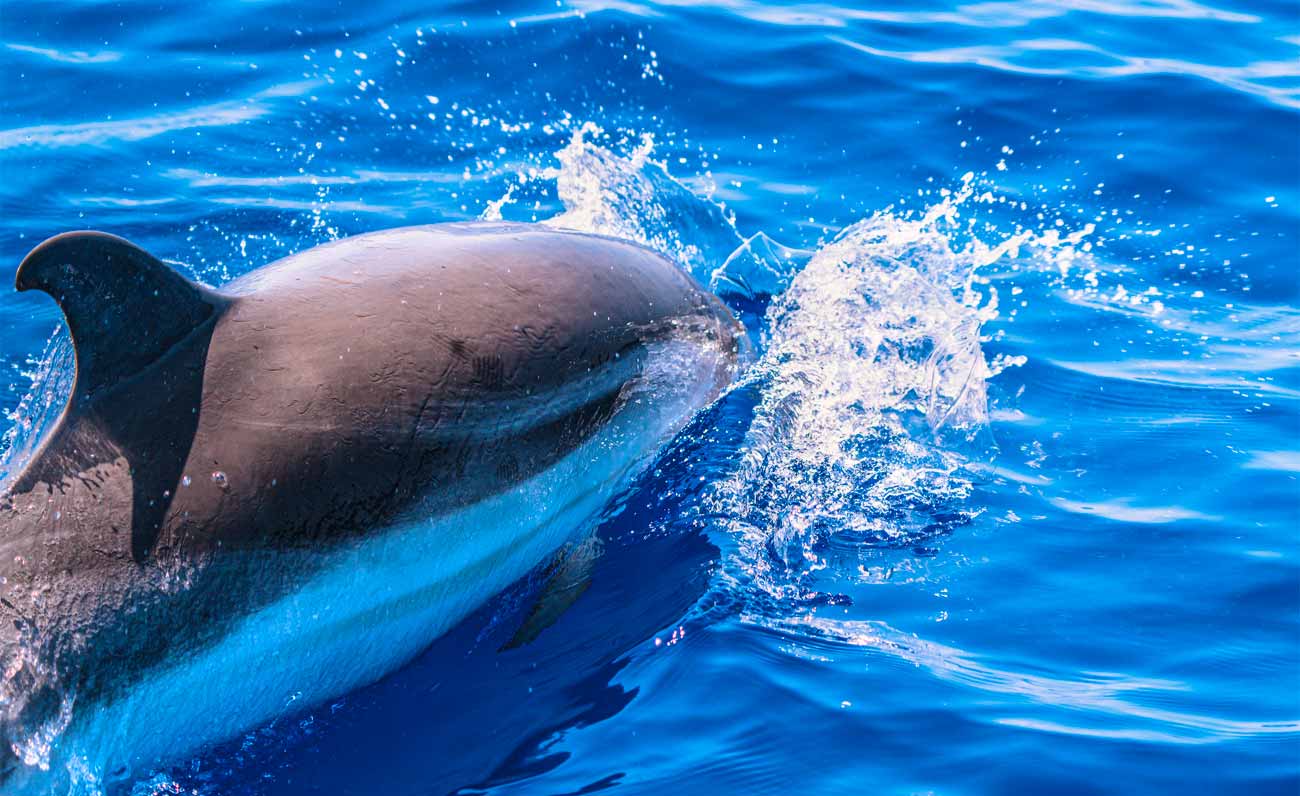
879 564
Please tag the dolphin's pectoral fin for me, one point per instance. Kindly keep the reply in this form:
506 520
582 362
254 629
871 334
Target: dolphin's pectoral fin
569 576
125 308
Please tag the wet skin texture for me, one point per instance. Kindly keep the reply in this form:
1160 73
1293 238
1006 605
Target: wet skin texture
216 444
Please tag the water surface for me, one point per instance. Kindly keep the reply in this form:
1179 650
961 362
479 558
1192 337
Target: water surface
1007 502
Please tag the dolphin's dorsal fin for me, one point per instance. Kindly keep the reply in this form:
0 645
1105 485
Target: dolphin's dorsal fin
125 308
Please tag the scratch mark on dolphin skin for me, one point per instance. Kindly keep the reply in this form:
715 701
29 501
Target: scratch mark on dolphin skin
410 440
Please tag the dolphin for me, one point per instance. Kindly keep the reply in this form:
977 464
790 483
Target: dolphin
267 495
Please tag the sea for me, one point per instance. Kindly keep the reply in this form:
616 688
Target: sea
1005 498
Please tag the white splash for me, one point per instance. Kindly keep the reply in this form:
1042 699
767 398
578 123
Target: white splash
872 378
634 198
51 374
872 362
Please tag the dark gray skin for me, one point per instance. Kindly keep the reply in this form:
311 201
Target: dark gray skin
216 442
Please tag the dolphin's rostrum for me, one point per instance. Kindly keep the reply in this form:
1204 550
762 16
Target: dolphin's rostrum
293 484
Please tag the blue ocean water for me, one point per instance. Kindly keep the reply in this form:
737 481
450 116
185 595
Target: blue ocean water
1007 501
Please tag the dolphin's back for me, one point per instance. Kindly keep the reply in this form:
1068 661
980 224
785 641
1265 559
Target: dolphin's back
432 365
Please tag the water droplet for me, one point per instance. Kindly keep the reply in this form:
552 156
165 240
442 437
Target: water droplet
186 481
219 478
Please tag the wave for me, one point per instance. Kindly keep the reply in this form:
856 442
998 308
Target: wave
981 15
1023 37
1094 696
1083 60
220 114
